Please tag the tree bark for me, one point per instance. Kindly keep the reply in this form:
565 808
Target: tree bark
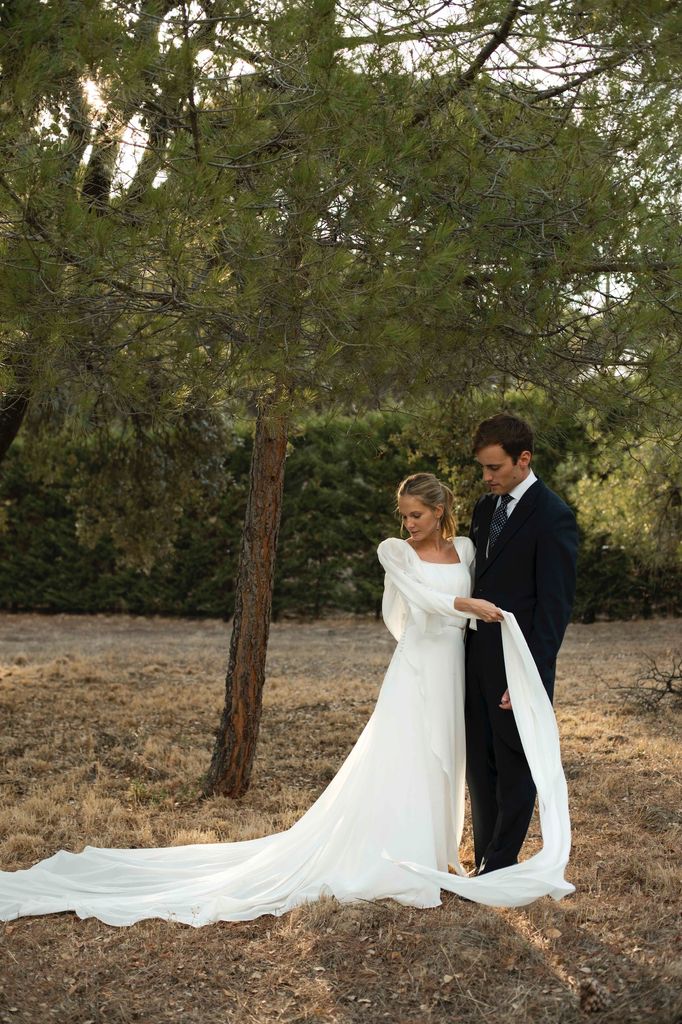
235 745
13 409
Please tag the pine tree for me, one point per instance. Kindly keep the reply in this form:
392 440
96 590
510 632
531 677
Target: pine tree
330 205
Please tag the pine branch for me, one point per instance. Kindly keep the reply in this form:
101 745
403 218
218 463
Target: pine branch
404 34
466 78
70 258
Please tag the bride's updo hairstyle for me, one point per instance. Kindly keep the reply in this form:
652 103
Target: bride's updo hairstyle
431 492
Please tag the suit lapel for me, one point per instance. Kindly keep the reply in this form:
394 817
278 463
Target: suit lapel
523 510
484 517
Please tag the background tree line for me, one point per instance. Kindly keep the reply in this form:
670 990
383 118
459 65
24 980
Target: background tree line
58 555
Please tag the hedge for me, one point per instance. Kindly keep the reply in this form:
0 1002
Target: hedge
339 496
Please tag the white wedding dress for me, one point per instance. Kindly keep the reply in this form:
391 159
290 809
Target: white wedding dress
389 823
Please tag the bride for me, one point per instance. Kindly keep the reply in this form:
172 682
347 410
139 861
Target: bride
390 822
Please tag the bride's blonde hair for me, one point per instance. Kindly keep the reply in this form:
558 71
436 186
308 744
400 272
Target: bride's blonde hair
432 492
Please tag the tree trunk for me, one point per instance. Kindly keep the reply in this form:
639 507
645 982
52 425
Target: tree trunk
13 408
235 746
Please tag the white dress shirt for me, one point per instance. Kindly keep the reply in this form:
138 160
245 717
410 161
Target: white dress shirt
516 494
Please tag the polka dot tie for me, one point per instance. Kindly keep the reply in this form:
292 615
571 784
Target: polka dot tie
499 520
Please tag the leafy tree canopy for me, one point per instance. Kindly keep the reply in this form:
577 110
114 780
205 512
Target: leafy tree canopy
339 205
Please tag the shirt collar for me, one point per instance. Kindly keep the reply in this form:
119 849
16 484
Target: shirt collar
521 488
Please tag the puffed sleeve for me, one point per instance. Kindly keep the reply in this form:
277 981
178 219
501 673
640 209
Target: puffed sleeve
394 610
466 551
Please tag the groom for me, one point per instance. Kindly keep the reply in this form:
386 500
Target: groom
526 546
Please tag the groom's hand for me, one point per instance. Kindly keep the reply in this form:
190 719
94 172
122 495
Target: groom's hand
505 702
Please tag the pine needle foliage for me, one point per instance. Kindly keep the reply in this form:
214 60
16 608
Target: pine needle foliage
204 200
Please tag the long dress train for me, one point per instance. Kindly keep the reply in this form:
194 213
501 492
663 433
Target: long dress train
389 823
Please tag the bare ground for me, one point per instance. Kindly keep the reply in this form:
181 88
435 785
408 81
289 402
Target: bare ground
107 728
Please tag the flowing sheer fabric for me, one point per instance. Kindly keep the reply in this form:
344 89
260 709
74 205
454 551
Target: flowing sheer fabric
390 822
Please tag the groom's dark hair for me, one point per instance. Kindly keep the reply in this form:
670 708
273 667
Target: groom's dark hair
510 432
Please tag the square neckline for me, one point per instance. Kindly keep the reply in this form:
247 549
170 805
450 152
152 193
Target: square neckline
425 561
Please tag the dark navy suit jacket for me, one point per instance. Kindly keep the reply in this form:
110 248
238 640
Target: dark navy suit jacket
530 572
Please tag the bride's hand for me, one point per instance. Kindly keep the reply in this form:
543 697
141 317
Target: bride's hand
485 610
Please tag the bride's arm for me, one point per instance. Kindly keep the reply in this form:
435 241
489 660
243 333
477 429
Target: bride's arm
427 600
477 608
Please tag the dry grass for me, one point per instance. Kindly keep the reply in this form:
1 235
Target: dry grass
107 728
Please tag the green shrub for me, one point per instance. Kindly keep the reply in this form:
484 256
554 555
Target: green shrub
338 505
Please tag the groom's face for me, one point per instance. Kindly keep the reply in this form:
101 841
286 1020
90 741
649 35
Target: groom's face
500 472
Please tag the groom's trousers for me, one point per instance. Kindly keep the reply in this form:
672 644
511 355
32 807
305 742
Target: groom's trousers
501 788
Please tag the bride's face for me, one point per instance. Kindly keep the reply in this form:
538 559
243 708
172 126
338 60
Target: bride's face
421 522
